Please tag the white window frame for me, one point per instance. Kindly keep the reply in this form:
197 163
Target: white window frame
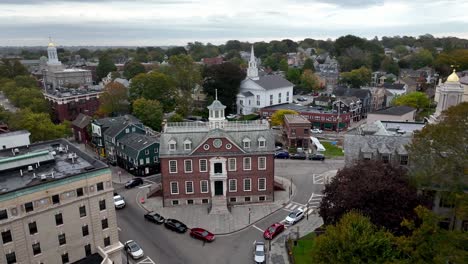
200 165
187 145
264 163
188 161
155 159
244 163
264 184
175 163
229 164
249 180
261 143
142 162
147 160
177 187
246 143
186 187
146 151
201 186
235 185
172 145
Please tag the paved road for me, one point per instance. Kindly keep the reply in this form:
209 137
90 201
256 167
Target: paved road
164 246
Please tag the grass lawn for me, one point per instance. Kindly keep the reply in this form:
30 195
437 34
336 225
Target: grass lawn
249 117
332 150
301 252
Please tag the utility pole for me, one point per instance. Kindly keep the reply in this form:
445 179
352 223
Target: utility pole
307 212
249 215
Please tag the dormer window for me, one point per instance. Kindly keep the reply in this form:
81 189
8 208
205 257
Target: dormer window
172 145
246 143
261 142
187 144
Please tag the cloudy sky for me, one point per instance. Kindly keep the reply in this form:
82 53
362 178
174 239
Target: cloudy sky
176 22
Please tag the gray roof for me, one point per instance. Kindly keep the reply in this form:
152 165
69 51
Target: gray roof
216 104
270 82
14 133
82 120
135 143
345 91
113 125
395 110
394 86
247 94
464 79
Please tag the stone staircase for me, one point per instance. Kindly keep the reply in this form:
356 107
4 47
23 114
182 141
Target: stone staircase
219 205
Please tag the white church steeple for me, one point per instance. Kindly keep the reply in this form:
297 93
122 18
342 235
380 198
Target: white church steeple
252 71
52 54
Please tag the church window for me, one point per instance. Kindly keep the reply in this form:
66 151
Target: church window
279 98
271 99
287 96
258 100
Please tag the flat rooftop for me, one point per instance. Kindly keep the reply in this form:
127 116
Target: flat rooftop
296 119
66 92
299 108
388 128
41 163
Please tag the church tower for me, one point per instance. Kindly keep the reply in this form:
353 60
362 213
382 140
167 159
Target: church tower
52 54
252 71
216 110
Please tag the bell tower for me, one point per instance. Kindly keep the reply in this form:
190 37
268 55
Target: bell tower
216 116
252 71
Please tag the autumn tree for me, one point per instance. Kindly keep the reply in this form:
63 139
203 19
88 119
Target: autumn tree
378 190
354 239
356 78
155 86
114 100
105 66
150 112
277 118
309 65
310 81
132 69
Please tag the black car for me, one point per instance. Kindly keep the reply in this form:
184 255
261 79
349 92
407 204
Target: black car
175 225
317 156
134 182
299 155
154 217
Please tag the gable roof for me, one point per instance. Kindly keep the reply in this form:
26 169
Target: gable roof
395 110
394 86
135 142
113 125
345 91
270 82
82 120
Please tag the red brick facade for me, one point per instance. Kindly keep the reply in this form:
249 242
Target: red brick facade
68 109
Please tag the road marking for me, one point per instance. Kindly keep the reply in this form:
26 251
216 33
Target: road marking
258 228
287 206
152 182
118 228
318 178
311 210
293 207
147 260
144 186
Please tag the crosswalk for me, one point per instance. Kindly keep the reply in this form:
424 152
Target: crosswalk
314 202
318 178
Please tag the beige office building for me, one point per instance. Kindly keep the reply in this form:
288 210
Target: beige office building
56 206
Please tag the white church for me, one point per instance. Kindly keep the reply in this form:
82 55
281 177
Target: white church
258 91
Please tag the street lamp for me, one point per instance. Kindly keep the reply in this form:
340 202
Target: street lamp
338 117
126 251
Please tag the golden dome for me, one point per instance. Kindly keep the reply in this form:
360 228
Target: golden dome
51 44
453 77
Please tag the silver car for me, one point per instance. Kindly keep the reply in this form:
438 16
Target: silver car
294 217
259 253
134 249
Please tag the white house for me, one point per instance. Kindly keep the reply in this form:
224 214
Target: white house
260 91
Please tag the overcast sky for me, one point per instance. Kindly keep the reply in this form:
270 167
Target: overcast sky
176 22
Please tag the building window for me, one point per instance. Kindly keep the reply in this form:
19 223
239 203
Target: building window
100 186
104 223
155 159
32 228
262 184
262 163
403 159
258 100
174 188
188 165
247 185
55 199
146 151
218 167
247 199
233 199
232 164
271 99
3 214
82 211
58 219
127 130
10 258
204 186
261 143
142 162
147 160
385 158
102 205
173 166
204 201
287 96
261 198
107 241
175 202
65 258
187 145
279 98
36 248
28 207
189 187
203 165
247 163
156 149
85 230
62 240
190 201
232 185
6 237
246 143
446 201
79 192
87 249
172 145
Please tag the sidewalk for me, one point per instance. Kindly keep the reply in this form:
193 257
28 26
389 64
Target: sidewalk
238 219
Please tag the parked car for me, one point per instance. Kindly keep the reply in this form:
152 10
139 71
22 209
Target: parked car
231 116
294 216
273 230
175 225
316 131
281 155
133 249
119 202
317 156
133 182
154 217
302 99
202 234
278 148
259 253
299 155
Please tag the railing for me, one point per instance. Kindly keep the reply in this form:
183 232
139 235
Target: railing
206 126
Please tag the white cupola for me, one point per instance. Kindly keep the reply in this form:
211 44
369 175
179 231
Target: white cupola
216 113
52 54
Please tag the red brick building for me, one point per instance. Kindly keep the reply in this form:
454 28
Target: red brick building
296 131
217 162
67 104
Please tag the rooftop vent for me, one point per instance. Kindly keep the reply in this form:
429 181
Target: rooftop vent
30 168
43 177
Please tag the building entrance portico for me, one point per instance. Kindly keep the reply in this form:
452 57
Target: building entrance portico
218 190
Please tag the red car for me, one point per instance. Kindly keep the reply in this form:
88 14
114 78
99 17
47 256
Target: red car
273 230
202 234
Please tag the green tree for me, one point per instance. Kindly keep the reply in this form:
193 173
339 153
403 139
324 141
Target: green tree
390 66
84 53
184 72
132 69
400 51
105 66
114 100
421 59
150 112
418 100
283 65
310 81
354 239
176 118
175 51
277 118
458 58
155 86
273 61
309 65
25 81
10 68
294 75
356 78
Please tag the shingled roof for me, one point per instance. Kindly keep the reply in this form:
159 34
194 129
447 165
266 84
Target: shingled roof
270 82
82 120
395 110
135 143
